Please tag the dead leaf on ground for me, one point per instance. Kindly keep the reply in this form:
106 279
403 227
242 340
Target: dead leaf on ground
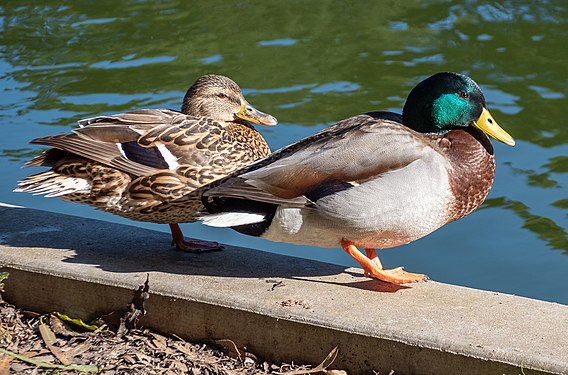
322 367
5 364
78 349
141 351
232 349
39 363
47 334
49 339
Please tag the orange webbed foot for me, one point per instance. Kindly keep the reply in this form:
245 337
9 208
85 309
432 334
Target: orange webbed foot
373 267
398 276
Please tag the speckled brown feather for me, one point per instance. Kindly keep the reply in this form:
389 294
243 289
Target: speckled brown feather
166 196
206 149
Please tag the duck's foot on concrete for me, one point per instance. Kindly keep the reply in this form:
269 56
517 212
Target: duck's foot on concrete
373 267
192 246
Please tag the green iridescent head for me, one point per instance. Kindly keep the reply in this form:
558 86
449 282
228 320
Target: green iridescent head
447 101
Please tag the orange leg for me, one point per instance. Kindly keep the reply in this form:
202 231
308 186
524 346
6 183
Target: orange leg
374 268
192 246
373 257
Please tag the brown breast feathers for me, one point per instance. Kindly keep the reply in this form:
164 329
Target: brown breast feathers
471 155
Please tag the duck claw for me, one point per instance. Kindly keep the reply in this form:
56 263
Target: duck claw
197 246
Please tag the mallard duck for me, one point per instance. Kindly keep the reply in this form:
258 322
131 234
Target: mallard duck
147 164
376 180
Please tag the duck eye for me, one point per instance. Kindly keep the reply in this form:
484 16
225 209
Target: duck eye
463 95
222 95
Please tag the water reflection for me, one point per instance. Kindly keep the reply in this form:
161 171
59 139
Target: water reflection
278 42
17 155
546 229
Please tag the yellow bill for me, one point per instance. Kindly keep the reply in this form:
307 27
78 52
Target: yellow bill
249 113
486 123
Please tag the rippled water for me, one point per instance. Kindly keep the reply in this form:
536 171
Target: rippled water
310 64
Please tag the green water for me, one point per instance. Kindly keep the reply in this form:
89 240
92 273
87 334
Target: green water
310 64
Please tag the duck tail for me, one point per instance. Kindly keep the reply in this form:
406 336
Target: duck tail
52 184
47 158
231 219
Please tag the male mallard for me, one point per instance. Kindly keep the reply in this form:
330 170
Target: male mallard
146 165
376 180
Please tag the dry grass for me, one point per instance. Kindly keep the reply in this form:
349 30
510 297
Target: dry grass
31 343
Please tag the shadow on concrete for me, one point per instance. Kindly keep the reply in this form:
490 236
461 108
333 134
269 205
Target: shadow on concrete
121 248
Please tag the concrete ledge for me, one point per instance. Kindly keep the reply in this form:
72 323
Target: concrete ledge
281 308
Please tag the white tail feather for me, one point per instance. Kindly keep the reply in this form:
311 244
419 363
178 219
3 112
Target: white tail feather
53 185
231 219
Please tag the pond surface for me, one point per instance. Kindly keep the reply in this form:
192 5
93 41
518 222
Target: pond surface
311 64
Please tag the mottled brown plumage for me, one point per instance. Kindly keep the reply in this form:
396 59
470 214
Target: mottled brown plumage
146 165
473 168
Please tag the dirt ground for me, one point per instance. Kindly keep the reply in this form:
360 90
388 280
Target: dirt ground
32 343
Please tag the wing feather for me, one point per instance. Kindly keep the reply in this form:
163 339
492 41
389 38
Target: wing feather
354 150
189 140
105 153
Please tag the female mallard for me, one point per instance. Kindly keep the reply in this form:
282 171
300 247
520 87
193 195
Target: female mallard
146 165
376 180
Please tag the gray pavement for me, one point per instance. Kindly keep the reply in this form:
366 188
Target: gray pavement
280 308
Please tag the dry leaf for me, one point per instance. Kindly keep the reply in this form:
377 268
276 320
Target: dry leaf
232 348
47 334
49 338
78 349
5 364
319 368
160 345
39 363
59 328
